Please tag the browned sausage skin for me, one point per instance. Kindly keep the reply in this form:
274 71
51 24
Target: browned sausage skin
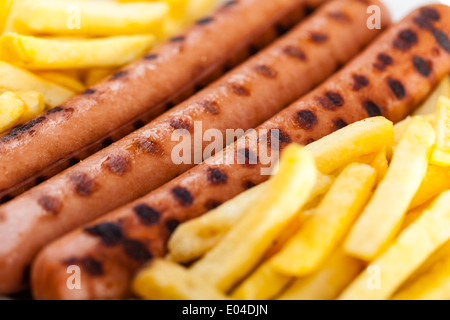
385 79
141 162
140 91
276 30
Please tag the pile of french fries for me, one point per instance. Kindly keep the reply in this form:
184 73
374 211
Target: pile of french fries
363 213
51 50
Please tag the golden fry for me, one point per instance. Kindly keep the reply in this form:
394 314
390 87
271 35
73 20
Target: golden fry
244 245
441 154
383 215
348 144
306 251
405 255
12 108
46 54
90 18
164 280
17 79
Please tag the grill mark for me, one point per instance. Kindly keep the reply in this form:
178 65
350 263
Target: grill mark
211 107
360 82
266 71
340 123
239 90
136 250
50 204
149 146
84 186
110 234
306 119
88 92
216 176
277 137
212 204
150 56
397 88
406 39
146 214
118 75
383 62
178 39
183 196
204 21
295 52
442 39
172 225
247 184
180 124
424 67
107 142
372 109
331 101
317 37
339 16
116 164
18 131
246 157
92 266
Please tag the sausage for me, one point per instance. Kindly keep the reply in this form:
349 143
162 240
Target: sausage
260 42
141 90
386 79
142 161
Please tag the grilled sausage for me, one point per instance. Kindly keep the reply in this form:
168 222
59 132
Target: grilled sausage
143 161
139 92
389 78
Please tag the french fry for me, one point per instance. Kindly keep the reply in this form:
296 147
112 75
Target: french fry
164 280
380 164
12 108
90 18
436 181
34 101
196 237
318 237
441 153
265 283
17 79
405 255
95 75
328 281
63 79
383 215
244 245
429 105
37 53
433 285
5 8
348 144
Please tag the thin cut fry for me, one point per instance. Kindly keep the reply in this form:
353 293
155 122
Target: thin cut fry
196 237
348 144
305 252
16 79
63 79
164 280
48 54
12 108
327 282
429 105
383 215
436 181
242 248
412 247
90 18
441 154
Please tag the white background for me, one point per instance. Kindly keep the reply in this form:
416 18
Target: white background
400 8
